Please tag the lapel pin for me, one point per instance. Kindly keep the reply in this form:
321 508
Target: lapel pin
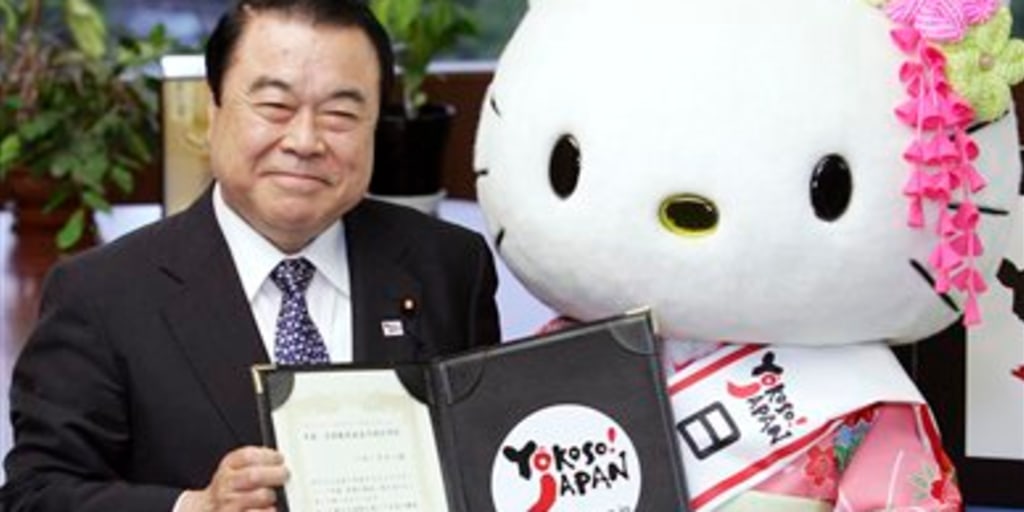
408 305
392 328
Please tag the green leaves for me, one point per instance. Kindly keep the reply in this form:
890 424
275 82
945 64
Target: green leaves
421 29
95 201
10 19
39 126
10 148
122 178
72 232
79 109
87 27
137 52
397 15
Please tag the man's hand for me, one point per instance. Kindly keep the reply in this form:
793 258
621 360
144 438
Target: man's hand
244 481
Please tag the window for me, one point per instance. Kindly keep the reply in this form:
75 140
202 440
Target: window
496 19
1017 9
189 21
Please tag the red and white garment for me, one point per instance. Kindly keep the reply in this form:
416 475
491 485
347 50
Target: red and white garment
843 427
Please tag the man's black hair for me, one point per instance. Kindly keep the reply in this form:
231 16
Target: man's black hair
339 13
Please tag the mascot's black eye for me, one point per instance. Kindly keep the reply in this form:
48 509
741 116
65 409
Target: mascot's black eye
564 168
831 187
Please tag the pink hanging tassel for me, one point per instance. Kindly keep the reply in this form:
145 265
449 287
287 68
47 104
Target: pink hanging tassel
941 151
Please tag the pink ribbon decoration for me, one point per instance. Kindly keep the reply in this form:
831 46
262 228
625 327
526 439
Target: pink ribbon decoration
946 226
979 11
941 20
934 19
907 39
972 314
975 181
970 279
940 152
938 20
966 217
945 258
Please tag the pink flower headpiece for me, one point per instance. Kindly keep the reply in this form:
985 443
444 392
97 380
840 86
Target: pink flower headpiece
941 154
941 20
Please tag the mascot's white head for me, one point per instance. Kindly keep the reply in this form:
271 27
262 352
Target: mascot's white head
797 171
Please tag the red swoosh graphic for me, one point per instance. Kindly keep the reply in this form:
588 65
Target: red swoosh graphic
741 391
547 495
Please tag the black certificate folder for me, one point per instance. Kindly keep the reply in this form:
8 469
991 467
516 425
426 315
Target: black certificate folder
576 420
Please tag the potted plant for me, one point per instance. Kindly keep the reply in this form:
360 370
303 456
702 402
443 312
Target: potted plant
412 132
78 117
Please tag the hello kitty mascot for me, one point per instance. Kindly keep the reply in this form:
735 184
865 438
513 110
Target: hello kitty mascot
792 186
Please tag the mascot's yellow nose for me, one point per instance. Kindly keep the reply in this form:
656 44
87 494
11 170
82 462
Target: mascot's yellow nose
688 215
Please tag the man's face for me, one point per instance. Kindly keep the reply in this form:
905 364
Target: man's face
292 140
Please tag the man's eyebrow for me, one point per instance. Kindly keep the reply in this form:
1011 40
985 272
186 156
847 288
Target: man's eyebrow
266 82
348 94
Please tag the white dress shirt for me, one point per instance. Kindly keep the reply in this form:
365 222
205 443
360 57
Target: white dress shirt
328 296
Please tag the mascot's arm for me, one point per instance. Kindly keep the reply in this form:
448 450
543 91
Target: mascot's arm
557 324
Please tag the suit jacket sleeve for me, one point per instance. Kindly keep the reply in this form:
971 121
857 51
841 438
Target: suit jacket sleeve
483 317
69 403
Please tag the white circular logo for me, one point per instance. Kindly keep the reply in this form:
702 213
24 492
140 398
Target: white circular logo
566 458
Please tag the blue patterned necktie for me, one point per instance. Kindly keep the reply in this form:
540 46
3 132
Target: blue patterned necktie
297 340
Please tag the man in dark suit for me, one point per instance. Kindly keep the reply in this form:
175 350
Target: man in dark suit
133 392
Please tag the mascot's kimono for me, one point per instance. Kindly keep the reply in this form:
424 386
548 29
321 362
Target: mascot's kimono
792 186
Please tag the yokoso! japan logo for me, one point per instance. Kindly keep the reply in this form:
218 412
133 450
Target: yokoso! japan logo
566 458
767 401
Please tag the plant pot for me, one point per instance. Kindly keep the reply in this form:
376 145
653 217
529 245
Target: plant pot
409 152
30 195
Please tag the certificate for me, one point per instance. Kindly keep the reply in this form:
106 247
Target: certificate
353 440
562 422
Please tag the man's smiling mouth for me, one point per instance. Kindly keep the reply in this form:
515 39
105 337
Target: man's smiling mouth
297 179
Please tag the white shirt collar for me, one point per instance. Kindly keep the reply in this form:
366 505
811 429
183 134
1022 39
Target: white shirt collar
327 251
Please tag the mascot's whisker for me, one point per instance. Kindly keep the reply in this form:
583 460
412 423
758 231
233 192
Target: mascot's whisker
986 210
923 272
982 124
499 238
493 103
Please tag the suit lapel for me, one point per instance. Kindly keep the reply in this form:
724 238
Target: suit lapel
211 318
386 298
